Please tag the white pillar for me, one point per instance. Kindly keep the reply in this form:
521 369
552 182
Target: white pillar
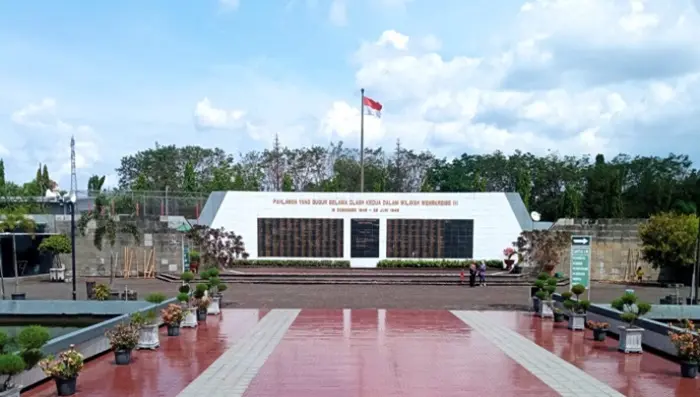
347 322
381 325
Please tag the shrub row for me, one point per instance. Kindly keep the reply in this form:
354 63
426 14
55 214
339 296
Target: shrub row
303 263
436 264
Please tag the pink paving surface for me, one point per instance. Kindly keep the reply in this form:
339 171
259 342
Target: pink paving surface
416 353
634 375
166 371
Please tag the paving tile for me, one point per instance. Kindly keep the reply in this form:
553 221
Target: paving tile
167 370
390 353
634 375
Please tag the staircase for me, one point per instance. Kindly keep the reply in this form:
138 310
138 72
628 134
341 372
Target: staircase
374 277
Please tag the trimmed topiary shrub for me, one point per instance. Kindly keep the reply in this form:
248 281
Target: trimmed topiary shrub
435 264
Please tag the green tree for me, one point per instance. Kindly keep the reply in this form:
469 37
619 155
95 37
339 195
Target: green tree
287 183
189 184
107 228
668 240
2 174
56 245
14 220
95 184
45 179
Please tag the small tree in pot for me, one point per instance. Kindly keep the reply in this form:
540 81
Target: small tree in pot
148 323
687 344
545 296
64 370
172 317
123 338
190 319
194 261
631 309
187 278
12 363
577 308
538 285
202 301
211 275
55 246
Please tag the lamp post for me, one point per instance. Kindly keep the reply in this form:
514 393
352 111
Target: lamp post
70 202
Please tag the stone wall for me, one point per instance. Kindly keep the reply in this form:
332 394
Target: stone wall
615 248
159 245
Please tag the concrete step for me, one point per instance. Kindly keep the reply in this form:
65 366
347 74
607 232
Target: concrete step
343 279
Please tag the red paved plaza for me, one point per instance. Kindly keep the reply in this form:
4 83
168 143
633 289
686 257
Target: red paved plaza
344 353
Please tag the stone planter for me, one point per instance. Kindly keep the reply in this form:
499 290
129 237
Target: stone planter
190 320
173 330
689 370
509 263
122 357
148 337
546 310
201 314
630 339
577 322
599 334
14 392
57 275
214 307
65 387
558 317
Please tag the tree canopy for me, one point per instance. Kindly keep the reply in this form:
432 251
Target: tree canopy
556 186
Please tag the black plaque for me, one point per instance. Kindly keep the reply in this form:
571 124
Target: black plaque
364 238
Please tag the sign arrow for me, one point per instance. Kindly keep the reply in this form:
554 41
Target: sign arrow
580 240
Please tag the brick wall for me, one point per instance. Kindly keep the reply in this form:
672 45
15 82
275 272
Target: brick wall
615 249
165 243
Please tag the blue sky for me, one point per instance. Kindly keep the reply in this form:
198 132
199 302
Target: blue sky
573 76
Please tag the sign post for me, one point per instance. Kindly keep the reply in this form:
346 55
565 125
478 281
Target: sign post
185 256
581 262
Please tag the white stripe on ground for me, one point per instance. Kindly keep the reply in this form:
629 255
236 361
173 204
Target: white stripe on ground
565 378
231 374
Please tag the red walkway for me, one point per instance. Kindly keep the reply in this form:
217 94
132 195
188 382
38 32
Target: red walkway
167 370
344 353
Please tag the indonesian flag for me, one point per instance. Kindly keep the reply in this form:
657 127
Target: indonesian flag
372 107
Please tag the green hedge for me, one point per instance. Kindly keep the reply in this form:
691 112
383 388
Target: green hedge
303 263
436 264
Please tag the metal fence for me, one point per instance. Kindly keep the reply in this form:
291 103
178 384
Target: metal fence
151 203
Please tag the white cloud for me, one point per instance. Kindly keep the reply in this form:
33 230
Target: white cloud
343 122
208 117
337 13
229 5
44 137
574 74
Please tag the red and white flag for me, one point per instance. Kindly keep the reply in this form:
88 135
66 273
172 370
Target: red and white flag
372 107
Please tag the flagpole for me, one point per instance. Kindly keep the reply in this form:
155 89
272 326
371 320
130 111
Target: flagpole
362 141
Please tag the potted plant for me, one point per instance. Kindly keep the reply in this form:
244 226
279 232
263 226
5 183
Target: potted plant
631 309
558 314
211 275
687 344
508 252
123 338
545 297
202 301
148 323
101 292
600 329
539 283
64 370
55 246
187 278
172 317
190 318
20 358
577 308
194 261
